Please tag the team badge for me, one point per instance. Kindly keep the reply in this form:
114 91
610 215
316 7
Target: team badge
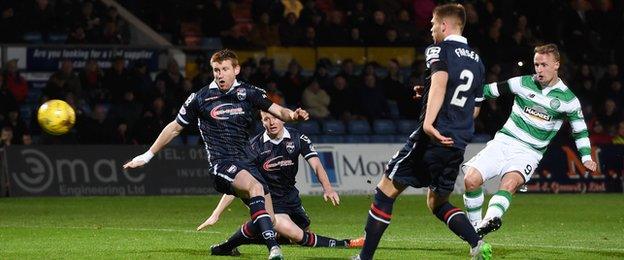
555 103
241 94
290 147
232 169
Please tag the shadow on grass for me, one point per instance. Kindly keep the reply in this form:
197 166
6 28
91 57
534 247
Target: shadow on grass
196 253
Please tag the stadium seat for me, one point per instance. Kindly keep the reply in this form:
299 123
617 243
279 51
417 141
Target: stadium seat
333 127
384 127
57 38
331 139
211 42
310 127
359 127
382 139
356 139
33 37
407 126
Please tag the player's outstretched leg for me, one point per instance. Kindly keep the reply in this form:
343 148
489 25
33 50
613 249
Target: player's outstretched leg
455 219
313 240
379 217
473 198
500 202
243 235
473 201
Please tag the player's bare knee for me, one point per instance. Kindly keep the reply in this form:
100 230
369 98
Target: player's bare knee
256 189
512 181
472 180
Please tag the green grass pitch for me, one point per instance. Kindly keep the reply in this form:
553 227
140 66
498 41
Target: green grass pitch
536 227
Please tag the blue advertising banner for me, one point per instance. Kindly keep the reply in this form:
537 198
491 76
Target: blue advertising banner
48 58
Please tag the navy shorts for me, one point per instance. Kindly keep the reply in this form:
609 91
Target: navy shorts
426 165
296 213
225 171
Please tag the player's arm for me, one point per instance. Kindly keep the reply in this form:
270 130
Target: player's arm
288 115
311 156
188 113
321 175
496 89
581 136
170 131
434 103
225 201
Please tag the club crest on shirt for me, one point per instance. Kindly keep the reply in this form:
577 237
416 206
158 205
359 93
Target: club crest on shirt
555 103
290 147
241 94
232 169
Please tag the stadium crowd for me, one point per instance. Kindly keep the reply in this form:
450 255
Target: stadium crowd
124 104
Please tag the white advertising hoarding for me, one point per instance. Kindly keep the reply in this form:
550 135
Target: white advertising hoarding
357 168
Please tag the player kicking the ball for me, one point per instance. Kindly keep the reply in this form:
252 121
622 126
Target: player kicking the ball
276 154
435 150
541 103
223 111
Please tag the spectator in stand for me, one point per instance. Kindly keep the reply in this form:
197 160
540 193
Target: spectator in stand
309 39
347 71
264 33
289 31
15 82
359 15
598 134
248 69
56 88
128 111
140 80
613 74
369 69
90 22
71 79
316 101
610 116
292 7
151 122
40 17
309 13
6 136
333 32
321 74
605 20
616 93
7 100
216 19
77 36
112 16
342 99
619 137
274 8
97 129
371 99
375 31
172 77
292 84
405 28
265 74
396 90
111 34
91 78
274 94
9 24
392 38
236 38
355 37
117 79
17 125
583 85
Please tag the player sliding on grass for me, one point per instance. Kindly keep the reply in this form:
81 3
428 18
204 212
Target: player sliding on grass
541 103
435 150
223 111
276 153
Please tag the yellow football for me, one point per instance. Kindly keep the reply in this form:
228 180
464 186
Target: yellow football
56 117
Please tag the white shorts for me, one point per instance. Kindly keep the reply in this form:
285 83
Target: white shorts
503 156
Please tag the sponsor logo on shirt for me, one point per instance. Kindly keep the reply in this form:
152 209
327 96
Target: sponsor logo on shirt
274 164
538 112
224 111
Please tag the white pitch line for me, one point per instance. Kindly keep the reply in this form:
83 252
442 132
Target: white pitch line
115 228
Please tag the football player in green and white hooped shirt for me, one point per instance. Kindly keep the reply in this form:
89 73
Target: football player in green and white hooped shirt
541 103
